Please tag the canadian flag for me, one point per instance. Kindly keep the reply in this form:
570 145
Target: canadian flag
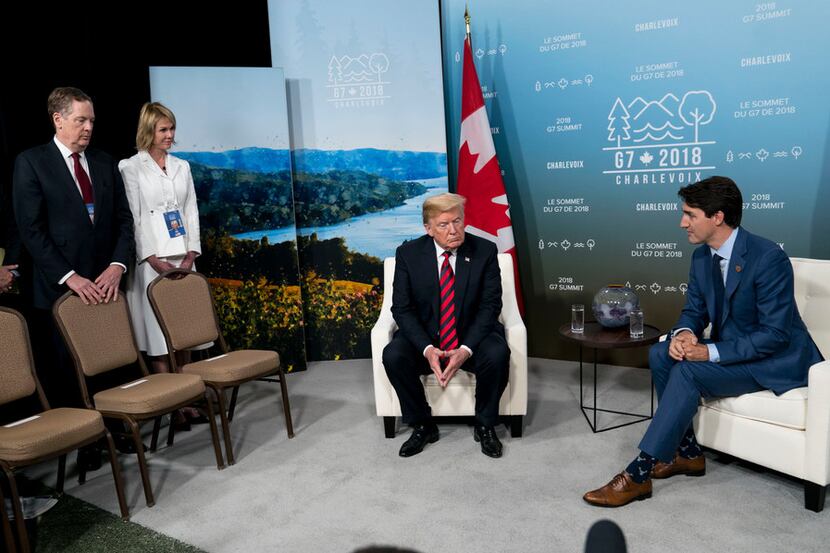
487 213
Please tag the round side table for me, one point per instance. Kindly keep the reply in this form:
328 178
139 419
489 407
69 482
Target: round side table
597 337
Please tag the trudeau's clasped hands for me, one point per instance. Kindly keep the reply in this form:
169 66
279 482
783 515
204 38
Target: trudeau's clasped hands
684 346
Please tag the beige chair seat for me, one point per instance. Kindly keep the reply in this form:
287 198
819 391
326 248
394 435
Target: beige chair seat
150 394
788 410
235 365
461 378
53 430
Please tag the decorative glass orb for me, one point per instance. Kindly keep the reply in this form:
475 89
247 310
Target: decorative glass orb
613 304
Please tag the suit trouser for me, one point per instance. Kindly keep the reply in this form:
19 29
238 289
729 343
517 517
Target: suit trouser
55 367
680 385
490 363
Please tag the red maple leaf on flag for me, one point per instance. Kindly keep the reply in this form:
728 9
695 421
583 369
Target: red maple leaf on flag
480 210
487 213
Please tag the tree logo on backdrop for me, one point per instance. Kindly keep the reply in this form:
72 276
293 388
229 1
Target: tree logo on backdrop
660 141
358 81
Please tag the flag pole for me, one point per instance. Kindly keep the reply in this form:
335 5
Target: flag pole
467 23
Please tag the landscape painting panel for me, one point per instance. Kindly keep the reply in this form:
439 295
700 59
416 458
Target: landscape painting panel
366 113
232 128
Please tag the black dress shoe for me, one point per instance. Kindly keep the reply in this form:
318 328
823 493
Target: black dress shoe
199 419
490 444
182 425
124 443
422 434
89 458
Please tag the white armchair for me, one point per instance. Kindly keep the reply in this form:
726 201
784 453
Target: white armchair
458 398
789 433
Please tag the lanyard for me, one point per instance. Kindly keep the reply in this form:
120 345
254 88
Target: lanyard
168 192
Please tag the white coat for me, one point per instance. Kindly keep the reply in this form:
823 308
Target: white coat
151 192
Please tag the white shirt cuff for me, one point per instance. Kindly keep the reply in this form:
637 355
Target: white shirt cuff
120 265
66 277
424 353
714 356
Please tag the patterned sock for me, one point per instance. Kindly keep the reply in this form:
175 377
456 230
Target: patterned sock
640 468
689 448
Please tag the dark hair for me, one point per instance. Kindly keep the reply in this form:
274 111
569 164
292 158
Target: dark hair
60 100
715 194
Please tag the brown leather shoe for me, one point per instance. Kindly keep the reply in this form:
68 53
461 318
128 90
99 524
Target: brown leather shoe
621 490
680 465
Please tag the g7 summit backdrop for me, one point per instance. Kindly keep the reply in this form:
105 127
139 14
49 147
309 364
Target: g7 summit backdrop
601 110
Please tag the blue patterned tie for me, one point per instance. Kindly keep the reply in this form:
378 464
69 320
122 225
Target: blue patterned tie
717 282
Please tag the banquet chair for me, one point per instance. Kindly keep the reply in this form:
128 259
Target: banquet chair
100 338
47 433
184 309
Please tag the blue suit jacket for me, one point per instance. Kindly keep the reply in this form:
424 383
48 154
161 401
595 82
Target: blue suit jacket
761 326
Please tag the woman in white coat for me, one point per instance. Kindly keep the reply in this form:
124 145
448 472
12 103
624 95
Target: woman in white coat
163 202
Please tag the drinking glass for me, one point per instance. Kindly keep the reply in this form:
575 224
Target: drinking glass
636 323
577 318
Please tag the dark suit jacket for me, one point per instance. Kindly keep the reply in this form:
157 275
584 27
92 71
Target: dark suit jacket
53 221
761 326
9 237
15 255
415 295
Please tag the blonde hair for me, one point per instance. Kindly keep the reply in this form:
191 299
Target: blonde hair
441 203
151 113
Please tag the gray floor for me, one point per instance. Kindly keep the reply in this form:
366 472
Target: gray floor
339 484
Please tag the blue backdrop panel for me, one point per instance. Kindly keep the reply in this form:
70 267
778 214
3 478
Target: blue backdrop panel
600 111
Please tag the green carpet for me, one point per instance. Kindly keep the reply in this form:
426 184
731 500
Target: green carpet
77 526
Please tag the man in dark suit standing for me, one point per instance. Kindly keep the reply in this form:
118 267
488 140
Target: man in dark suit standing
10 243
75 222
7 276
446 301
12 268
743 285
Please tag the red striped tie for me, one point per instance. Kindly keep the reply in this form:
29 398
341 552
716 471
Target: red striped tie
449 339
